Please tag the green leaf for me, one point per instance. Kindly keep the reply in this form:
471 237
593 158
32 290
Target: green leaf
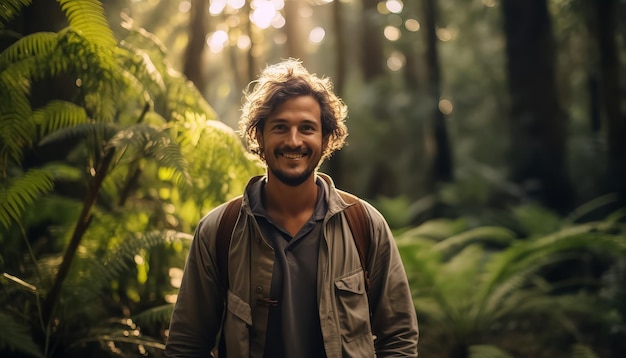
16 337
22 192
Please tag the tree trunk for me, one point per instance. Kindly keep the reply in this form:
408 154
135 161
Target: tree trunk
442 158
372 56
293 30
538 123
193 63
607 68
334 164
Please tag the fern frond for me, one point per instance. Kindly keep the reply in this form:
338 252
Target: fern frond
22 192
138 62
15 337
489 234
36 44
85 130
88 18
583 351
153 143
487 351
159 314
10 10
16 131
58 114
91 274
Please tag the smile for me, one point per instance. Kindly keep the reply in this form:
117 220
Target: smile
293 155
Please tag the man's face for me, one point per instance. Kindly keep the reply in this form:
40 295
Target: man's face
292 141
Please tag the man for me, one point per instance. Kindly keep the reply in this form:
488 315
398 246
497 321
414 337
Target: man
295 282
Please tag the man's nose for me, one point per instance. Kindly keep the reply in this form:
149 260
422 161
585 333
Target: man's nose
293 138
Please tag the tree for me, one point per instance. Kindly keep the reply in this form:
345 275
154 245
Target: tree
193 68
538 128
442 157
130 118
606 71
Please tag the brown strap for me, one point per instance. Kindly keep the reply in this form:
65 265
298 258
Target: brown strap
359 223
224 236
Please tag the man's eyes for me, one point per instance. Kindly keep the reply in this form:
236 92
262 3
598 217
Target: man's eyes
304 128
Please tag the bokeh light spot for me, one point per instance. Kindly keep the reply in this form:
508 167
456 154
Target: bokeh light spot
317 35
445 106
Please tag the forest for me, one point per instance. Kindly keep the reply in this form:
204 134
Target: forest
489 133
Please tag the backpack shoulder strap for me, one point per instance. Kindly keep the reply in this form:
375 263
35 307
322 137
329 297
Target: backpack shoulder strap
224 235
359 223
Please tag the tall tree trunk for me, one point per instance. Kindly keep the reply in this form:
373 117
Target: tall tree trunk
607 69
334 163
442 157
538 123
193 66
293 30
372 56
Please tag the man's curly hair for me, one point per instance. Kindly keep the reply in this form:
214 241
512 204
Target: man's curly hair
283 81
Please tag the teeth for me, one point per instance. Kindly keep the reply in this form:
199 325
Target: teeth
293 155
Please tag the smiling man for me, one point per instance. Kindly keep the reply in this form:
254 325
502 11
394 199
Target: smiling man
295 283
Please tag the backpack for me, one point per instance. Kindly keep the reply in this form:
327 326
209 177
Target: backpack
356 215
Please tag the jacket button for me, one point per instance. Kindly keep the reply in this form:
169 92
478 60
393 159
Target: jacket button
259 289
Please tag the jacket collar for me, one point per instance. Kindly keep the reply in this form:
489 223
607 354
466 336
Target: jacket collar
335 202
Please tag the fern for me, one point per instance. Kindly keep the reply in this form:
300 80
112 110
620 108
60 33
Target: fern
37 44
15 337
22 192
152 143
487 351
10 10
501 286
87 17
57 114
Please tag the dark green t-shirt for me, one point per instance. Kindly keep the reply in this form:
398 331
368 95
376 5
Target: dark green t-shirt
294 325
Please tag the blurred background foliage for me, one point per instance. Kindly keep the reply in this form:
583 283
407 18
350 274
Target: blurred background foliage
488 132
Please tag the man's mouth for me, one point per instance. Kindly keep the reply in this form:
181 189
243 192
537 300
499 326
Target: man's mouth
293 155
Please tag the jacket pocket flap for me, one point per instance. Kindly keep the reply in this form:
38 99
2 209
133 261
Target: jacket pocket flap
353 283
239 308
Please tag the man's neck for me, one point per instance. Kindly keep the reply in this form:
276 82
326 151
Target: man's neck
287 200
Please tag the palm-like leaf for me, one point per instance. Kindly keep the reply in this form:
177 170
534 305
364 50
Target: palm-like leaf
87 17
464 290
15 337
10 10
152 143
22 192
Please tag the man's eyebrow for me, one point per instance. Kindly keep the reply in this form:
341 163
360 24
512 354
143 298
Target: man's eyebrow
304 121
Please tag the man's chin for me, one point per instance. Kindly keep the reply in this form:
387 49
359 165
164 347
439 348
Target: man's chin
292 180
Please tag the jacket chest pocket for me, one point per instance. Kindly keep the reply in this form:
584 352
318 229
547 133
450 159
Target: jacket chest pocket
352 306
237 321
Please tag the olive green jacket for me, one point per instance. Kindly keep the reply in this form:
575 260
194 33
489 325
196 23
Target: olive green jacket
348 329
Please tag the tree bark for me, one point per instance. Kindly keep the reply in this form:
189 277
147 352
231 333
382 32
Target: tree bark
193 66
442 157
538 124
613 120
334 164
293 30
372 56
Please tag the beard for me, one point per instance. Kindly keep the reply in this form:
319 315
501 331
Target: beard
291 180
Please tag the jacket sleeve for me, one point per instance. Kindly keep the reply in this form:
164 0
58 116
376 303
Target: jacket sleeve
393 317
197 314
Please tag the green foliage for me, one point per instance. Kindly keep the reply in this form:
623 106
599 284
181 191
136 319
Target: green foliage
16 337
10 10
22 191
99 184
478 288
